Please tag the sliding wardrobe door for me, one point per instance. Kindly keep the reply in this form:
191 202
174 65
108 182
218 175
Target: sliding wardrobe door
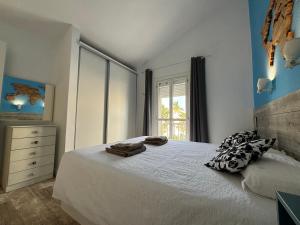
121 104
90 100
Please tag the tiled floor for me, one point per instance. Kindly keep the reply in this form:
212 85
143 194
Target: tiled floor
32 205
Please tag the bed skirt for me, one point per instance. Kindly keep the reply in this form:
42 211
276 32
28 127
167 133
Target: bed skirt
76 215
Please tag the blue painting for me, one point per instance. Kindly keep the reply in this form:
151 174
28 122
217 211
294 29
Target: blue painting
22 96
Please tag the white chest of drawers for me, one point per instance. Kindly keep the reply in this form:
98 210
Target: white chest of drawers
28 155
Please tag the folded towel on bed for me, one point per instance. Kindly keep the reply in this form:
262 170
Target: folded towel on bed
127 146
156 140
125 153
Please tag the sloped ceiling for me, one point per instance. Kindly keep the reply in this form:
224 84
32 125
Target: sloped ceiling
131 30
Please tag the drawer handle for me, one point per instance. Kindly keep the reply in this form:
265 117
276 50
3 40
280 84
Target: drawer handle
33 163
35 142
31 175
35 132
32 153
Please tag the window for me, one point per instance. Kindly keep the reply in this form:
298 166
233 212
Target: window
172 108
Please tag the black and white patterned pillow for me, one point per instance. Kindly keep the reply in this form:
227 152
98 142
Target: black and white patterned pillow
259 147
237 158
237 138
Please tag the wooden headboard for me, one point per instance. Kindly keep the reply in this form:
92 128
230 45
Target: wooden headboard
281 119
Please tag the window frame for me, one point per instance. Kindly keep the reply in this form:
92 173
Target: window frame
171 81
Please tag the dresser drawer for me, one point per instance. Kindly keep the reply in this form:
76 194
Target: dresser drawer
32 142
29 153
29 174
24 132
30 163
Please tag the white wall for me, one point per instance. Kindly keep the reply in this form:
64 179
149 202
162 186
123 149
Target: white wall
29 55
224 39
66 73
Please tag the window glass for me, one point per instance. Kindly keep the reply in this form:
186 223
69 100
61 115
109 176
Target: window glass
179 130
179 101
164 128
164 102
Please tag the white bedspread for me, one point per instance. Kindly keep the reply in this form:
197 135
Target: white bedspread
166 185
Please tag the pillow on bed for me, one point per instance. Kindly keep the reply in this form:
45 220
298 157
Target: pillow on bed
237 158
237 138
274 172
281 156
259 147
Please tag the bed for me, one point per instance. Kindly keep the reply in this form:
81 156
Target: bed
165 185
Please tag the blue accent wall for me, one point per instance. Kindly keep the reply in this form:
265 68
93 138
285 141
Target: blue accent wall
287 80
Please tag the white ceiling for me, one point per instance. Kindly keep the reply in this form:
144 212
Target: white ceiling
131 30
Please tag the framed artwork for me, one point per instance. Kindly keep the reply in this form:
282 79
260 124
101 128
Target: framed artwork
21 98
277 27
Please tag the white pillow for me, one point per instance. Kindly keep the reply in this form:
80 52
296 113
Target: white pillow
274 172
281 157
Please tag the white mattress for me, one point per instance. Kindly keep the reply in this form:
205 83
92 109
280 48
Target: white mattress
166 185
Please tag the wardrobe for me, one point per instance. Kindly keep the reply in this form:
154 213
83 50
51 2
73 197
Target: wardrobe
106 100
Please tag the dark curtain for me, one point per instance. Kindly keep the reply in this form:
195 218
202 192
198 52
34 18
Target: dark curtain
198 107
148 103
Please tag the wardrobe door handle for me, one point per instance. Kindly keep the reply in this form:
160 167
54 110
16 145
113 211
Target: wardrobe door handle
35 132
35 142
32 153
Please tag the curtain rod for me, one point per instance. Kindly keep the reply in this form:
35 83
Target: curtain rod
174 64
88 47
166 66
